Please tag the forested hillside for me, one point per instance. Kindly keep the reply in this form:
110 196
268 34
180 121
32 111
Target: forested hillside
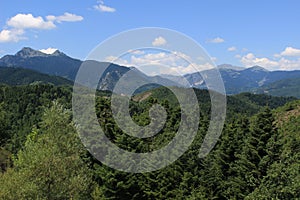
20 76
286 87
41 156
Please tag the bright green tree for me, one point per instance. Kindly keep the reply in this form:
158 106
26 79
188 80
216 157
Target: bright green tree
50 165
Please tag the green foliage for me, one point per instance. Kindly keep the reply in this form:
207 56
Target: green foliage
4 124
282 178
253 158
22 107
50 165
263 100
285 87
256 157
5 159
20 76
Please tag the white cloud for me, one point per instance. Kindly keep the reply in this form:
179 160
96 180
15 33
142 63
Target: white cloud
191 68
104 8
182 55
286 64
216 40
50 50
171 59
214 59
159 41
13 35
67 17
175 63
250 60
290 51
232 49
153 58
111 59
28 21
17 25
119 61
136 52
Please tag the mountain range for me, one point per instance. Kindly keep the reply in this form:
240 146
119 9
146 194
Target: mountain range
236 79
57 63
244 80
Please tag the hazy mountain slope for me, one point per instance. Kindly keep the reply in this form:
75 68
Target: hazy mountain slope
246 103
285 87
246 80
20 76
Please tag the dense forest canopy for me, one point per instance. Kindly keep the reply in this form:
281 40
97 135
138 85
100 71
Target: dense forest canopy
42 157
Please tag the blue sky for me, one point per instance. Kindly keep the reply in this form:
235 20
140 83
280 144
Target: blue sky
242 33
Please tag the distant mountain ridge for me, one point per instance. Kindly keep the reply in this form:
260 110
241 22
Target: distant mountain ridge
228 66
57 63
236 79
245 80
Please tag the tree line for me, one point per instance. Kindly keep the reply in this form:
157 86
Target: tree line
42 157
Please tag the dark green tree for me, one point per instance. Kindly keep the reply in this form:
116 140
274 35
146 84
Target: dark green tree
253 158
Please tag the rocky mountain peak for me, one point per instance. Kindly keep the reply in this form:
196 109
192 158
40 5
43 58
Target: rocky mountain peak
27 52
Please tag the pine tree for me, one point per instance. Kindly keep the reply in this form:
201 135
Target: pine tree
50 165
282 178
253 162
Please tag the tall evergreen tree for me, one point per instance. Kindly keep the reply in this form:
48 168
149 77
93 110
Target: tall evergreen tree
253 162
50 164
